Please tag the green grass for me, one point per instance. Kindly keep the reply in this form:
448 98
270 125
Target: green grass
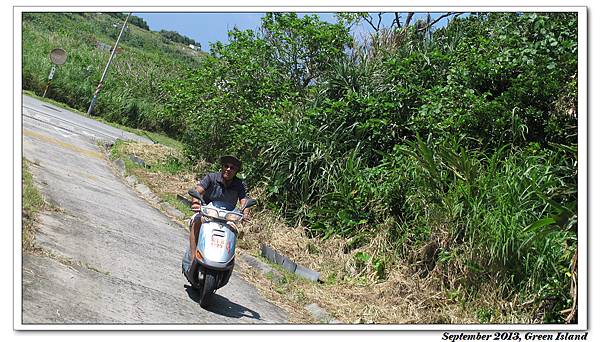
157 138
496 216
171 165
54 102
32 203
172 199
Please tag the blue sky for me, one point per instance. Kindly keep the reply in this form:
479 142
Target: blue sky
207 27
202 27
210 27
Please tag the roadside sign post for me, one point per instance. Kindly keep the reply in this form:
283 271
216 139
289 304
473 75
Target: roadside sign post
57 57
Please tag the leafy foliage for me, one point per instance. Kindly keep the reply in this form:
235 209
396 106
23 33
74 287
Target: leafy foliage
332 129
134 20
457 144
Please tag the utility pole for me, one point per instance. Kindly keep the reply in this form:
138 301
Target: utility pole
112 55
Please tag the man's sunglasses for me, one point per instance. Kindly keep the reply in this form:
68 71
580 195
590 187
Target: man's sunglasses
229 166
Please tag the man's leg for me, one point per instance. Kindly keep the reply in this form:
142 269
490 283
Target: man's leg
194 232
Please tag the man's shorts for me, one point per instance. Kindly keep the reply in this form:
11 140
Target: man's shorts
194 218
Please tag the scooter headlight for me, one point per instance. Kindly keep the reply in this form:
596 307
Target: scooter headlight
233 217
210 212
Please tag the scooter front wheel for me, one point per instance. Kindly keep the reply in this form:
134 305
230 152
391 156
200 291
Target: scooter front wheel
209 287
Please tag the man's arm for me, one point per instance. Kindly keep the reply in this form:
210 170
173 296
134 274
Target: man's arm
243 202
243 199
246 211
195 202
201 187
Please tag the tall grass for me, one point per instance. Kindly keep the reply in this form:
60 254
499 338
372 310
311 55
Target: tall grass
493 215
507 216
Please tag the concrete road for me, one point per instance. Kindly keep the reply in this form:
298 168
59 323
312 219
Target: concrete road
109 258
69 122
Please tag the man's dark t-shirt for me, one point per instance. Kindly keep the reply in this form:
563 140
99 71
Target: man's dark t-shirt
216 191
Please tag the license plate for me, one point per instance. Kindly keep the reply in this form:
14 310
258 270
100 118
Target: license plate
217 242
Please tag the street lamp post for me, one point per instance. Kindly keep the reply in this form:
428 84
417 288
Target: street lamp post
112 55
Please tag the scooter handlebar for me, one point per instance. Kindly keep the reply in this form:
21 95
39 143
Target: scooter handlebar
194 193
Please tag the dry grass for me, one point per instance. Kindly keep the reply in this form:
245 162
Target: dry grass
161 183
151 153
165 183
351 292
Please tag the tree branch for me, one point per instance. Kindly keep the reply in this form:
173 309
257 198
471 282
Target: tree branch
424 28
369 20
408 18
397 20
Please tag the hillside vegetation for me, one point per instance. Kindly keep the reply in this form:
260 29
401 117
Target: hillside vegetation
457 147
131 94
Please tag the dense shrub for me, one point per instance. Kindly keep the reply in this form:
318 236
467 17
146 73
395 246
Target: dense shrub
332 131
178 38
461 141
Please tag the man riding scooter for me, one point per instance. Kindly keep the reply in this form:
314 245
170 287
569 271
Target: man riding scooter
222 188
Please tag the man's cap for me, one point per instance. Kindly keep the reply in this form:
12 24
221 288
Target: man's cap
231 160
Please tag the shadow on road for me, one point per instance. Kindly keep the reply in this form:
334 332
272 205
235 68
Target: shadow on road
222 306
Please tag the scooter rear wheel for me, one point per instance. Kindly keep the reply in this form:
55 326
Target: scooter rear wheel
209 287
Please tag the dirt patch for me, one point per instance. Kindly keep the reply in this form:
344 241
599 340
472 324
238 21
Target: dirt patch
151 153
165 183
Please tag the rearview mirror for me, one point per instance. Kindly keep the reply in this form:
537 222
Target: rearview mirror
249 203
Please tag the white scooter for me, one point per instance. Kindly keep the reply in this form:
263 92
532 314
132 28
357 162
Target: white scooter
215 248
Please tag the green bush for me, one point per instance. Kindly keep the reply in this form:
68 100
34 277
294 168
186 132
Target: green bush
492 188
462 142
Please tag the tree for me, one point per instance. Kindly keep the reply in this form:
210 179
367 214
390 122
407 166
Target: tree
134 20
304 47
177 38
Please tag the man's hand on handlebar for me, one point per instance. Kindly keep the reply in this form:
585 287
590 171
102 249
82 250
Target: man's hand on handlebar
196 206
247 217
